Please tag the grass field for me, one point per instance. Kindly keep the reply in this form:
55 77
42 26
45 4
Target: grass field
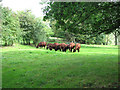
28 67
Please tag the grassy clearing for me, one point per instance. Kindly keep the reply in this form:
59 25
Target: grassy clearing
28 67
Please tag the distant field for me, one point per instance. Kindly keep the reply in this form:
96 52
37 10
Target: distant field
27 67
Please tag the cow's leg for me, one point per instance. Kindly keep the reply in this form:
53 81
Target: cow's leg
55 49
50 49
60 49
41 46
44 46
65 50
70 49
78 50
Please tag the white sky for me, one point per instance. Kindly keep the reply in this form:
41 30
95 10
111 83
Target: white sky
17 5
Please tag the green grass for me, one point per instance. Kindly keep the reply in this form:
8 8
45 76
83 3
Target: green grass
28 67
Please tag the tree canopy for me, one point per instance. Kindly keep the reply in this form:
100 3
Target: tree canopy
91 18
10 26
22 27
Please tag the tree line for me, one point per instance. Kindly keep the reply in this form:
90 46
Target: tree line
21 27
83 22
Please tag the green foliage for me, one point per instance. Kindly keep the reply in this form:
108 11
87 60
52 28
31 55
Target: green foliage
81 38
84 18
33 28
22 27
39 33
27 21
10 26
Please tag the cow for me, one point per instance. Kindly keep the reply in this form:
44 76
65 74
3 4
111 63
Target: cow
71 46
57 46
67 46
50 46
64 46
41 44
77 47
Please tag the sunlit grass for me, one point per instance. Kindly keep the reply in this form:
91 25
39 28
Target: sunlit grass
28 67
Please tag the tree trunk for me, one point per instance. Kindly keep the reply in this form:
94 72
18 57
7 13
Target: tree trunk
73 40
115 38
18 41
12 43
107 39
23 41
5 43
29 42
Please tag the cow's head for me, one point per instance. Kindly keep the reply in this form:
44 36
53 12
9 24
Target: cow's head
74 50
37 46
47 47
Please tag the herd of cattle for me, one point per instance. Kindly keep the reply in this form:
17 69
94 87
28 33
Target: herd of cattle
62 47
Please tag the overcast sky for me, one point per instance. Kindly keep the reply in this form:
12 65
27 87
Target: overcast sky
17 5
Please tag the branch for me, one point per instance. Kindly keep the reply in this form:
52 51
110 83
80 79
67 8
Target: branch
91 12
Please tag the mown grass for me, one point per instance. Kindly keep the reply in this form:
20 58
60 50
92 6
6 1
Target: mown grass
28 67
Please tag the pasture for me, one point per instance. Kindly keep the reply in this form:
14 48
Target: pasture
28 67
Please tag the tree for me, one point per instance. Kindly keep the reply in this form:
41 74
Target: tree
39 34
22 27
33 29
10 26
73 37
86 18
116 34
27 21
